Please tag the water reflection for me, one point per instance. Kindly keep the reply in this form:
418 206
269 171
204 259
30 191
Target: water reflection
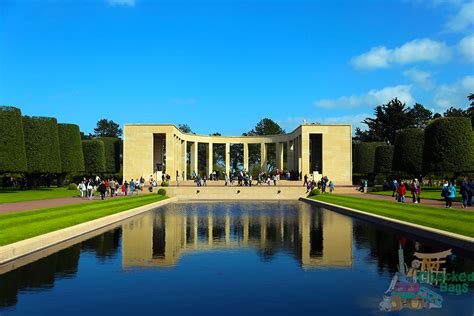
314 238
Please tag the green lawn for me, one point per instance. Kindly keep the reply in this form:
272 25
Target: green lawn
452 220
27 224
8 195
426 193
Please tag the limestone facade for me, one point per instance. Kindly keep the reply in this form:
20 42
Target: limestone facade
150 149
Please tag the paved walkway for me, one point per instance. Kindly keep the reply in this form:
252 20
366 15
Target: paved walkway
429 202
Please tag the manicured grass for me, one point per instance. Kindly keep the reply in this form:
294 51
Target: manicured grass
426 193
8 195
27 224
452 220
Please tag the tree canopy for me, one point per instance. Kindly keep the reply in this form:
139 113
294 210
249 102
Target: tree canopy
72 158
12 142
185 128
266 126
107 128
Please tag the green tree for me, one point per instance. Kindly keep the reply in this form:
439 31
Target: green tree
456 112
184 128
42 145
12 141
388 118
266 126
420 116
408 151
72 158
383 159
112 153
106 128
94 156
449 145
363 157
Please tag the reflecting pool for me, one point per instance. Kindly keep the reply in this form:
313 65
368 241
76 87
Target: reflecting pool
276 258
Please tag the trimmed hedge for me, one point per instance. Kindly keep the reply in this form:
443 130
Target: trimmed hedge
383 159
12 141
42 144
72 158
449 145
408 150
162 192
72 186
94 157
112 153
363 157
314 192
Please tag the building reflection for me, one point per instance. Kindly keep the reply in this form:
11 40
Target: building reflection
316 238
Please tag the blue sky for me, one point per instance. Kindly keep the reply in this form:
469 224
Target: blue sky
221 66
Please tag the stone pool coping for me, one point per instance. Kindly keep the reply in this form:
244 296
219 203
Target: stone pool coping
20 249
443 236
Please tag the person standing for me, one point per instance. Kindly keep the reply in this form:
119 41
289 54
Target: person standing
274 180
82 188
90 190
394 188
401 191
112 187
102 190
465 189
125 184
450 194
305 183
132 187
415 191
471 192
331 186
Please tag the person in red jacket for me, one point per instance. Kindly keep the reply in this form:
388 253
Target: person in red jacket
401 190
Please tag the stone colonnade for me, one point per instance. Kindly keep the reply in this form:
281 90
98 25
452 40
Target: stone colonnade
151 148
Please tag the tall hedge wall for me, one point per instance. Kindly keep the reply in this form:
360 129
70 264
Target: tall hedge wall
42 144
384 159
408 150
94 156
449 145
12 141
112 153
72 158
363 157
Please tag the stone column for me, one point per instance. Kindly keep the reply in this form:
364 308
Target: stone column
194 157
305 163
178 157
279 156
263 157
227 159
246 156
210 163
170 156
184 159
289 154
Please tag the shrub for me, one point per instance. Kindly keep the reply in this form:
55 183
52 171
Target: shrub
94 157
72 186
363 157
165 183
72 158
449 145
162 192
314 192
12 141
408 150
377 188
383 158
42 144
112 153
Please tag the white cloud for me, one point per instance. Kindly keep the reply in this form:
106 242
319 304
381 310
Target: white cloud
418 50
376 57
420 77
466 47
127 3
369 99
454 94
355 120
463 19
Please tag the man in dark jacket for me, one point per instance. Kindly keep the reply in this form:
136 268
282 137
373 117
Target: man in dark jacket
102 190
